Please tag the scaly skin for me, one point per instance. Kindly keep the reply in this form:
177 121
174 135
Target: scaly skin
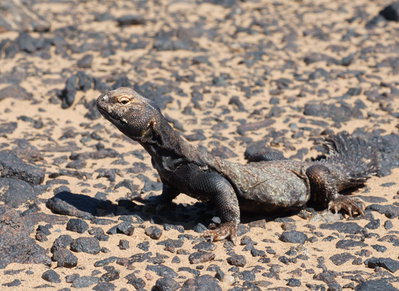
264 186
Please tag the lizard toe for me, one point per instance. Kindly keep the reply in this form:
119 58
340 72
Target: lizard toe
225 230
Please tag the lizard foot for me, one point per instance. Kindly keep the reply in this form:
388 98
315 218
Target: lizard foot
348 204
225 230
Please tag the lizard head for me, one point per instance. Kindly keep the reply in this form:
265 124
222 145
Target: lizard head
130 112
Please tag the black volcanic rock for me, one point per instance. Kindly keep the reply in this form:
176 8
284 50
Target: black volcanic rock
13 167
16 246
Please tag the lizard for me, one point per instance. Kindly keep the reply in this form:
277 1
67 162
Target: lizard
263 186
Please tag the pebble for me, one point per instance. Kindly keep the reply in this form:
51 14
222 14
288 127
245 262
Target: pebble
77 225
340 259
386 263
166 284
201 257
51 276
88 245
153 232
64 258
84 282
237 260
293 237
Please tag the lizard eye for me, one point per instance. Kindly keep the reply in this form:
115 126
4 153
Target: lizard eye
124 100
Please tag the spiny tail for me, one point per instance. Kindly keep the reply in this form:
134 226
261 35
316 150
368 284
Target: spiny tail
357 159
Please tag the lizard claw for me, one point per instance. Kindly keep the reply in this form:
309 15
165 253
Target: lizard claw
225 230
349 205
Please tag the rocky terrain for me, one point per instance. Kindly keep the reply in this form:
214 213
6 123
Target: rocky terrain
234 77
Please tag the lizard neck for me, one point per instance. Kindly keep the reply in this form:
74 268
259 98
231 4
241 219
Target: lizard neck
164 142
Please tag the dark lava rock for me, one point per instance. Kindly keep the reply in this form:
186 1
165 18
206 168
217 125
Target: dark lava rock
391 12
137 282
242 129
162 271
237 260
15 91
166 284
84 282
104 286
348 244
63 241
293 237
15 192
260 152
15 244
130 20
64 258
88 245
293 282
201 257
389 211
386 263
8 127
124 227
77 82
77 225
342 113
112 274
13 283
340 259
13 167
153 232
77 205
51 276
375 285
85 62
123 244
345 227
204 282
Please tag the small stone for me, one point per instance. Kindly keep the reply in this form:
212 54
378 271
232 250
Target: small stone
375 285
64 258
130 20
13 283
204 282
166 284
200 257
88 245
293 282
153 232
77 225
85 62
237 260
123 244
162 271
15 192
386 263
348 244
84 282
51 276
345 227
111 275
63 241
293 237
340 259
104 286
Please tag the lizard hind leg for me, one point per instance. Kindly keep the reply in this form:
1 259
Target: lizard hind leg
324 193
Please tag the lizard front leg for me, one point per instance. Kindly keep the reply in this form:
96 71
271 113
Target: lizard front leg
162 201
324 192
222 194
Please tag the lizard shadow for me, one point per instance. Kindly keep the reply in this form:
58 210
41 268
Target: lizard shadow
87 207
177 215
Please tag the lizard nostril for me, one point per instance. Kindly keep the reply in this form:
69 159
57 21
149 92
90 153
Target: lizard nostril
105 98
